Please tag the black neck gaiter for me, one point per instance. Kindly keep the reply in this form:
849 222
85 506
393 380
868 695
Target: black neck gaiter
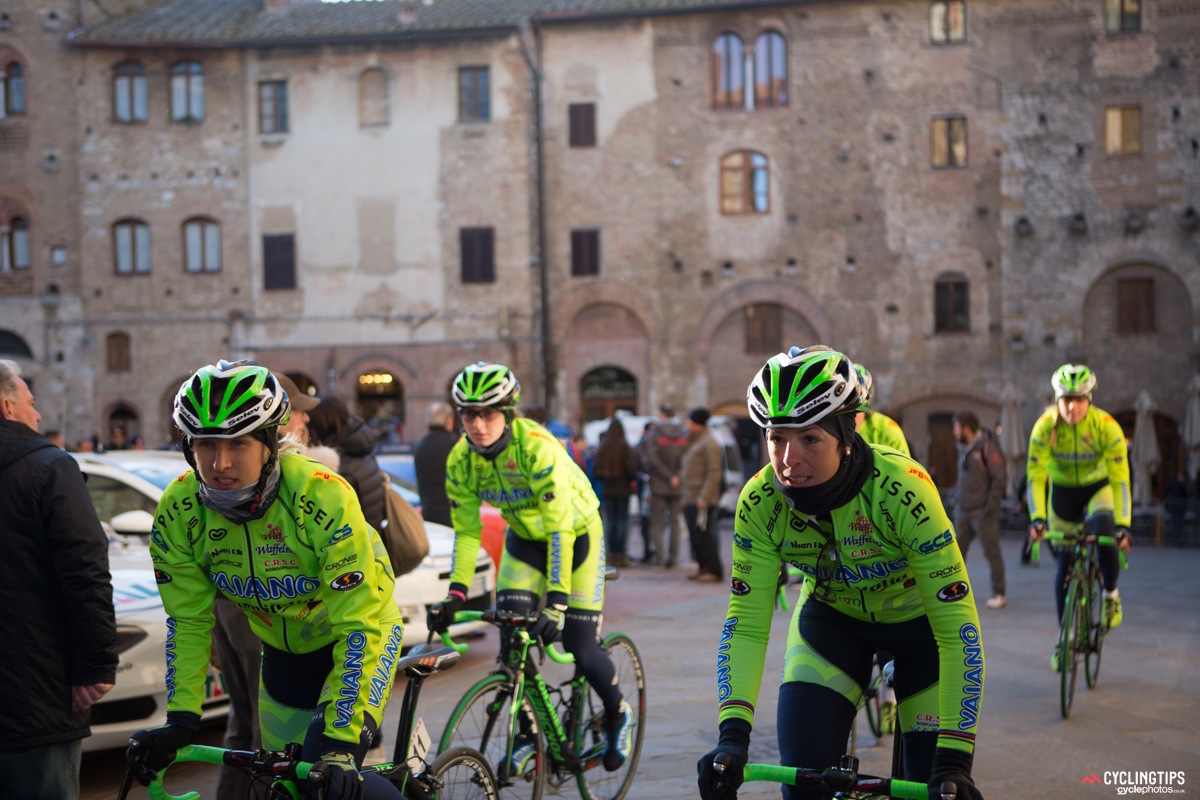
838 490
495 448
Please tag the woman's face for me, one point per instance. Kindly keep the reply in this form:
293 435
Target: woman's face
484 426
230 463
1073 409
803 457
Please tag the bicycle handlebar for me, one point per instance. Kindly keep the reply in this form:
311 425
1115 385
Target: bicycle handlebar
282 766
838 780
1078 537
501 618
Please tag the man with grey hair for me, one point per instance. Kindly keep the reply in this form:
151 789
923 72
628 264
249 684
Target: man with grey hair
429 458
62 653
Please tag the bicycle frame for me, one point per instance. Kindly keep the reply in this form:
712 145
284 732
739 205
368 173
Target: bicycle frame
527 681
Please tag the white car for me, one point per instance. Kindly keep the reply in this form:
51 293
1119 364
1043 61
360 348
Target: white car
125 486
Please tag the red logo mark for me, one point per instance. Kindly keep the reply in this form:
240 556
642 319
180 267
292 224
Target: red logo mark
1090 778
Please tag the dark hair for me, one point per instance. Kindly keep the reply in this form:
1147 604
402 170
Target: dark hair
967 420
327 422
610 455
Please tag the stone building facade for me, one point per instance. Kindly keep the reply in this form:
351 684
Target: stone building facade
961 195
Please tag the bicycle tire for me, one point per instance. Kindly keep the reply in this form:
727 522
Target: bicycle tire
461 773
1096 627
481 720
587 729
1068 644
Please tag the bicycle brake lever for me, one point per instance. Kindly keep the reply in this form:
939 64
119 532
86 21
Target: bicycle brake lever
948 790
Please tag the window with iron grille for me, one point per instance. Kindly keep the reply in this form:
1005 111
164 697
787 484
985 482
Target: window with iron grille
478 255
585 251
474 94
279 261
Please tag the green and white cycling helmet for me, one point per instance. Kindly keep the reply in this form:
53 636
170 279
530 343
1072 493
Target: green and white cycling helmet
867 384
1073 380
230 399
484 385
802 387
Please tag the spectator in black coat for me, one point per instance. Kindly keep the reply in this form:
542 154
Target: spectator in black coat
59 627
429 459
331 424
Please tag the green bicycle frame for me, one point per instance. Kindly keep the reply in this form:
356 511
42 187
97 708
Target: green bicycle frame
207 754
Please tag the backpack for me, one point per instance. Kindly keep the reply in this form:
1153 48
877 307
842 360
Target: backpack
403 532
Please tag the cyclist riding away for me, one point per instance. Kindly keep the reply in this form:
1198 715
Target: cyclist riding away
1078 472
882 571
874 426
284 538
555 540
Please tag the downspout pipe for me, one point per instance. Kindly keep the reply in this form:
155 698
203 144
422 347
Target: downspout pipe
527 29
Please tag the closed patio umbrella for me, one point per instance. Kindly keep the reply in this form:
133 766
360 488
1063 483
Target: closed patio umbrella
1144 456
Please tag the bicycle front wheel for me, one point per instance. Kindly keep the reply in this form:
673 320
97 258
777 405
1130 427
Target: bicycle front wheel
483 720
1096 627
588 731
461 773
1069 643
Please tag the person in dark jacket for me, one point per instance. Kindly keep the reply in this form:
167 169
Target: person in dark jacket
331 424
60 632
670 441
616 467
429 459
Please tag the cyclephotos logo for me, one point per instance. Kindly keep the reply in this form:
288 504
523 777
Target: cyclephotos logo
1140 781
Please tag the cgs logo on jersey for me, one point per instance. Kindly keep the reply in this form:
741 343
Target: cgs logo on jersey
739 587
743 542
953 592
936 543
541 473
346 581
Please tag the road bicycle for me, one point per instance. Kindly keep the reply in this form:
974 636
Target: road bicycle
842 781
881 713
1084 625
563 721
458 773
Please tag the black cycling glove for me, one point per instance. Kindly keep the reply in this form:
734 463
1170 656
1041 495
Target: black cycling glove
953 766
440 616
154 749
549 624
335 777
734 745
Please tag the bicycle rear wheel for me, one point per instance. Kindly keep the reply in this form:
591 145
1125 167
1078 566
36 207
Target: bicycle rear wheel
483 720
1097 627
461 773
587 729
1069 643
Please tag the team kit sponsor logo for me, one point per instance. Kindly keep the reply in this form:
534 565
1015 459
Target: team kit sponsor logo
953 592
356 643
342 562
346 581
724 689
217 534
739 587
161 576
286 586
972 676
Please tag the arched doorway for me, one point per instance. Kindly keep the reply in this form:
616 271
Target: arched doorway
381 404
124 426
605 390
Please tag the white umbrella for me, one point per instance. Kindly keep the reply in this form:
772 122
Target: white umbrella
1013 436
1191 426
1144 456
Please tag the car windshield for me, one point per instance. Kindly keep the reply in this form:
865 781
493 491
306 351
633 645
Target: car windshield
160 474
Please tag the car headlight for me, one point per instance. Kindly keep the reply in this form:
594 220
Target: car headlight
128 635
